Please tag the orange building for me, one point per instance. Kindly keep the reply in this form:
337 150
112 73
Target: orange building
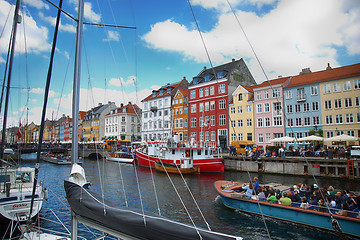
179 114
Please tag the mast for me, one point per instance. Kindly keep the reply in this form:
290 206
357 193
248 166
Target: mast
17 19
75 109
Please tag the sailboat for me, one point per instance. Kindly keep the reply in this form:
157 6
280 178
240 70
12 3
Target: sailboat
90 209
21 197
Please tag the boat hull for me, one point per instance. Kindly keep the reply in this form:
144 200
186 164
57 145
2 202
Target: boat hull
112 158
205 165
297 215
176 170
57 160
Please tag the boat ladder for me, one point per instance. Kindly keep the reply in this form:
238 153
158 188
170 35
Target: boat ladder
351 169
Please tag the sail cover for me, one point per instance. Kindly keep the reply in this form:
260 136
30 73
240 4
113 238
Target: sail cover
131 221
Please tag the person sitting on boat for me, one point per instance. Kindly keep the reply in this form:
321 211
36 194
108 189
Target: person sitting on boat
345 210
304 204
339 199
321 207
312 201
331 191
249 190
285 200
330 203
261 195
272 198
296 197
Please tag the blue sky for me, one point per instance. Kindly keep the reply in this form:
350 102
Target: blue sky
166 46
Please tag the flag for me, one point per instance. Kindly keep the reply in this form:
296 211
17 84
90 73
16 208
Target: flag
18 134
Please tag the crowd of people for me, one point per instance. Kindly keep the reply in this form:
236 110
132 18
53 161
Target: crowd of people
307 197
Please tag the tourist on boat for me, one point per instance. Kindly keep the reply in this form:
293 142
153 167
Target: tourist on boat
248 189
256 184
304 204
331 191
340 199
295 197
345 210
312 201
285 200
272 198
261 195
307 192
266 190
321 207
330 203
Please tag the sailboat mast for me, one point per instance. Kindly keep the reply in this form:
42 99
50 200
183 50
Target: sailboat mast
76 87
16 21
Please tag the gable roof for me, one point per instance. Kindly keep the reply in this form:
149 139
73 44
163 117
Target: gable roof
325 75
271 82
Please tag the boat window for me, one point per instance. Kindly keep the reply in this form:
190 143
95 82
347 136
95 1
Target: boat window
23 177
199 152
173 151
4 178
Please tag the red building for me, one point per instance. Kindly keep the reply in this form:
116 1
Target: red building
209 95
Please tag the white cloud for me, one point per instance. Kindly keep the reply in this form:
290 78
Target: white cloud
120 81
36 3
41 91
63 27
36 36
112 36
294 35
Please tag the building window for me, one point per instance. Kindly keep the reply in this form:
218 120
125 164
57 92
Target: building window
357 101
201 92
289 108
290 122
240 122
357 84
298 122
336 87
276 93
266 94
239 109
249 122
327 88
288 94
314 90
278 121
212 105
222 119
260 122
306 107
193 108
201 107
260 138
267 122
347 86
212 120
328 119
206 136
266 107
193 135
201 121
349 118
248 108
206 106
193 94
337 103
212 90
240 97
249 136
232 110
222 104
240 137
307 121
258 95
193 122
259 108
233 123
328 104
315 106
267 137
222 88
212 135
233 137
206 91
297 108
348 102
338 118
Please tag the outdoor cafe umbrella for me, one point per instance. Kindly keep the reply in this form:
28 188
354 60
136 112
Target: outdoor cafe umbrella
283 139
342 138
310 138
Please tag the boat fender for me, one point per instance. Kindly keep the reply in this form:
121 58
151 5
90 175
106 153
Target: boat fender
46 194
336 225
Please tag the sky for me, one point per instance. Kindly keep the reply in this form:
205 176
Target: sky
172 40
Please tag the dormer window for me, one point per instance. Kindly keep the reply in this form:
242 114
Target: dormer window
221 74
208 77
196 80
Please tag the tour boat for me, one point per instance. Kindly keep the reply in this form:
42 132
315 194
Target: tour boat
186 167
310 217
209 159
120 156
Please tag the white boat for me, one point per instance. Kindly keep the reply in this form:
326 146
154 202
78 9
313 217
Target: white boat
120 156
16 191
56 158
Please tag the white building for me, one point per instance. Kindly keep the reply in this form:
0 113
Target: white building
156 114
124 123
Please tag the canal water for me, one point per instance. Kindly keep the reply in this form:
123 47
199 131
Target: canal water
120 189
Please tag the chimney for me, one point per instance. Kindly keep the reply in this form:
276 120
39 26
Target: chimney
204 68
328 67
184 78
305 71
121 105
233 60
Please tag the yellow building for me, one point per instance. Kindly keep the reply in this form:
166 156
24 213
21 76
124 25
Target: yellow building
241 112
340 104
179 114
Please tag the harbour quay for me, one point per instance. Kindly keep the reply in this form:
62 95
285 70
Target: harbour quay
317 166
